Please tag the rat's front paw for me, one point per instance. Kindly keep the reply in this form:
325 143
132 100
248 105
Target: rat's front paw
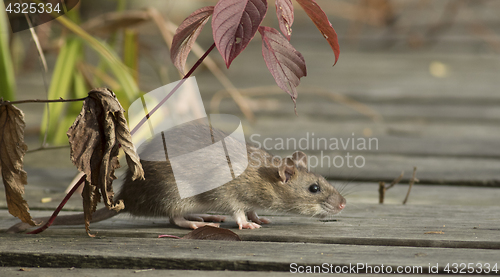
248 225
241 219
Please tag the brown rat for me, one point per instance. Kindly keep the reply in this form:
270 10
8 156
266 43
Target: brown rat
267 183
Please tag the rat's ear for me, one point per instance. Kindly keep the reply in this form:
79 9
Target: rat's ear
286 169
300 159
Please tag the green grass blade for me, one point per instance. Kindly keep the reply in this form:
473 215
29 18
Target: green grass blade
60 85
121 72
7 78
79 90
131 52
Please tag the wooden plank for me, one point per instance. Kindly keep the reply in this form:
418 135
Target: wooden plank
313 102
360 224
465 154
433 123
218 255
377 75
357 192
474 198
431 170
455 140
150 272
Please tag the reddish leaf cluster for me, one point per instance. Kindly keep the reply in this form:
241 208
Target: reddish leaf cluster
235 23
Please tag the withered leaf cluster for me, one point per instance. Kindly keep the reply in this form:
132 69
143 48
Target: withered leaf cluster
12 150
234 25
95 138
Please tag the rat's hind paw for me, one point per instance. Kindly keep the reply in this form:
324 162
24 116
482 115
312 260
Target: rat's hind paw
255 218
205 217
183 223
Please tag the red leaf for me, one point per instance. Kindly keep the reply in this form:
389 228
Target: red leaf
208 233
186 35
285 63
284 12
234 24
319 18
212 233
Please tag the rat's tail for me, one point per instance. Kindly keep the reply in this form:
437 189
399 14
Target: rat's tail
72 219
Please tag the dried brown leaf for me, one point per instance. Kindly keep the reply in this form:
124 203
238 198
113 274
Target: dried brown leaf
125 139
94 139
91 197
212 233
12 150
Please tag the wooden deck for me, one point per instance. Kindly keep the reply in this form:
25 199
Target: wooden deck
416 235
443 121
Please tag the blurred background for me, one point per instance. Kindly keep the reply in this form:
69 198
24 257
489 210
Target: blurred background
419 77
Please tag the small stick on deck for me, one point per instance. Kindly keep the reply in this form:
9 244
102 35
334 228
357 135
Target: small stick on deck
412 181
382 188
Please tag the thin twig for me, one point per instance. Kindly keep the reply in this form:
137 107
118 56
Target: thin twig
37 41
196 65
396 180
43 61
41 148
382 188
381 192
41 101
412 181
59 208
99 73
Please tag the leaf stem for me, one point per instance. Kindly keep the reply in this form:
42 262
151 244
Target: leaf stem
200 60
46 148
59 208
82 179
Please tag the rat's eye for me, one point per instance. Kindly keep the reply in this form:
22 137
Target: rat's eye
314 188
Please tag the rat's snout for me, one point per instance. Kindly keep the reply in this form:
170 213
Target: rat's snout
342 204
335 204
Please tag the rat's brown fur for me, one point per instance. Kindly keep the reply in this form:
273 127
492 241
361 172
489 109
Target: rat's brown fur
268 183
